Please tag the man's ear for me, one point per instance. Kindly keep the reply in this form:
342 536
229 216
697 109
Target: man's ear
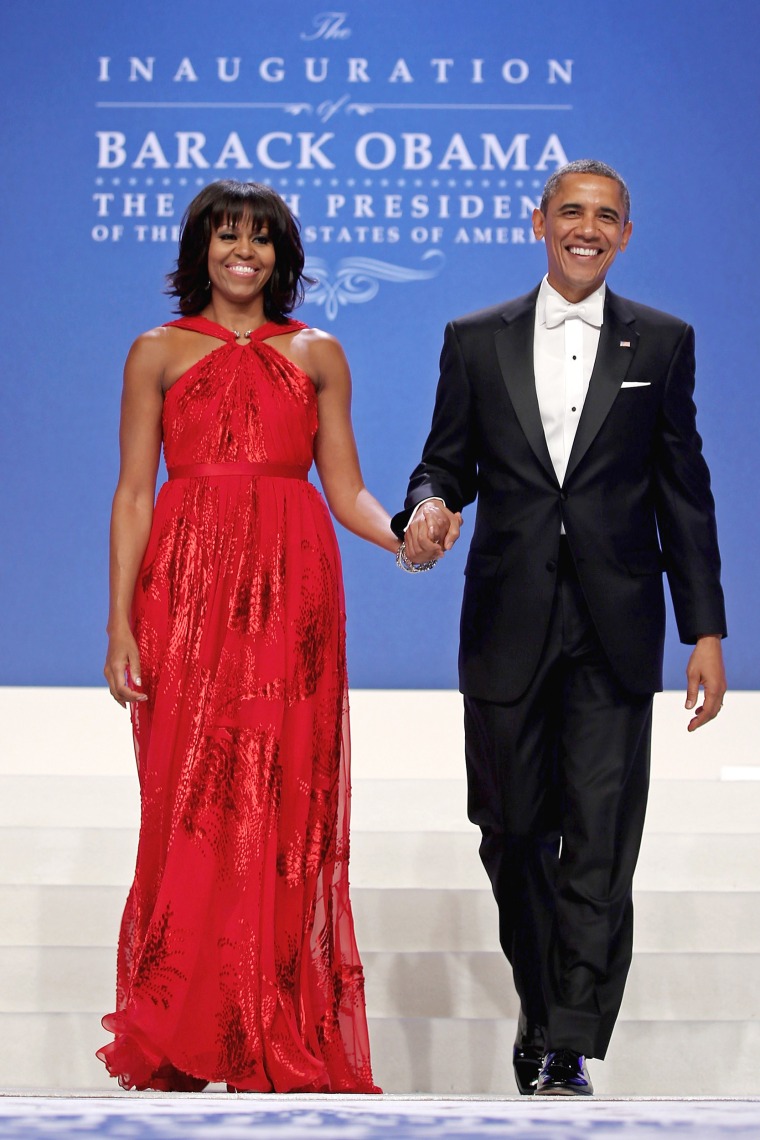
539 222
627 231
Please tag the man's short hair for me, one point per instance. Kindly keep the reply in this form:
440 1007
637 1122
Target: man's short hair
585 166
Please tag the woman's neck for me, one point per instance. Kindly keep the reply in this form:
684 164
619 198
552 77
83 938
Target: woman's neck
237 319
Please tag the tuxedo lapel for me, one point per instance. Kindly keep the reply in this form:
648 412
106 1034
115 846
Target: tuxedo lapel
514 349
618 341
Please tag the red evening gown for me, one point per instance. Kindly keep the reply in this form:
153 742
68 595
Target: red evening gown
237 959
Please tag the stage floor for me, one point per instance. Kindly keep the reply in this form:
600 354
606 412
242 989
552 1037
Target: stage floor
143 1116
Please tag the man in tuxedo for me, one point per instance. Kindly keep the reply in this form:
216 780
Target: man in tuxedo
568 414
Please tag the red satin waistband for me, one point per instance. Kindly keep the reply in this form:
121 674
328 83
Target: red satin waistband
202 470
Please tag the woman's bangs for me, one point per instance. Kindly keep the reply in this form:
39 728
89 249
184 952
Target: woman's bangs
252 208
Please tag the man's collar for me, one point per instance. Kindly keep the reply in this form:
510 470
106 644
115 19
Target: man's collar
545 289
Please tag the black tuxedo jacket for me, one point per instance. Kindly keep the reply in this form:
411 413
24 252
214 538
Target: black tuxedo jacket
635 500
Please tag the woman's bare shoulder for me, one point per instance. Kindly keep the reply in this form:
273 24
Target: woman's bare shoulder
321 349
309 335
155 343
315 352
150 346
150 356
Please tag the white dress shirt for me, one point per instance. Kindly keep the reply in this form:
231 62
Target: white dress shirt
563 360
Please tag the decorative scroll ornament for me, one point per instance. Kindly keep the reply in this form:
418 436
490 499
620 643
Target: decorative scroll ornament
357 279
330 107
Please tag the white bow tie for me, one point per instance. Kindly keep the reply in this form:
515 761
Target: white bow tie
559 310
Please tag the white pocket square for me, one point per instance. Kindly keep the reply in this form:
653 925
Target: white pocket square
636 384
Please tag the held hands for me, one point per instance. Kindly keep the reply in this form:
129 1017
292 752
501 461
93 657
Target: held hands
434 531
705 669
123 665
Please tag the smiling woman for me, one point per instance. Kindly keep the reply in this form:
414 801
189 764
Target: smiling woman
237 958
239 257
213 234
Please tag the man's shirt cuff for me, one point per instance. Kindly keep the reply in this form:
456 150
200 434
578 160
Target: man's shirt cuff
429 499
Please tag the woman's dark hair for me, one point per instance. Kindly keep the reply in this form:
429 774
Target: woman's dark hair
227 203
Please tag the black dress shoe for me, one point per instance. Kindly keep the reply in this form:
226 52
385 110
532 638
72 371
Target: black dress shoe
528 1054
564 1073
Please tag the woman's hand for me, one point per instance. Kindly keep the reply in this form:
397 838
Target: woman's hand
433 532
122 667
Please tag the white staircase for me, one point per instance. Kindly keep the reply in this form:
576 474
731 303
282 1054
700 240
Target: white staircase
440 998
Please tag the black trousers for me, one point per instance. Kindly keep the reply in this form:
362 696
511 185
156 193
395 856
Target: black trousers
557 783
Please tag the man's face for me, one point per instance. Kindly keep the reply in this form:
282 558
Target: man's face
584 227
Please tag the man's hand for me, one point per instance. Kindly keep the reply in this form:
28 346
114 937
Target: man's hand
433 532
705 669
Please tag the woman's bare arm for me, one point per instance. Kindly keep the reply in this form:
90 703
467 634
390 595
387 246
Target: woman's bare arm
335 451
132 513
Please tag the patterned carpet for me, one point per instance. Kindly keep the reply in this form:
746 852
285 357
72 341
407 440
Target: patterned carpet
172 1117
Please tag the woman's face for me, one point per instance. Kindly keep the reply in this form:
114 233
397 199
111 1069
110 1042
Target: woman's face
241 260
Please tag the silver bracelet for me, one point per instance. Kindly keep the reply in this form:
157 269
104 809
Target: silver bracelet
404 563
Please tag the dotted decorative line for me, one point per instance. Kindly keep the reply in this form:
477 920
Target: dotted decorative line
350 183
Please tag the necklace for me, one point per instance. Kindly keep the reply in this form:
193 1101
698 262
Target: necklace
237 335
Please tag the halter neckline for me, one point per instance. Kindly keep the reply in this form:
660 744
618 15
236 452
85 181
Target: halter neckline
212 328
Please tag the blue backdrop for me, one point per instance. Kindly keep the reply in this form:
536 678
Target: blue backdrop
413 139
